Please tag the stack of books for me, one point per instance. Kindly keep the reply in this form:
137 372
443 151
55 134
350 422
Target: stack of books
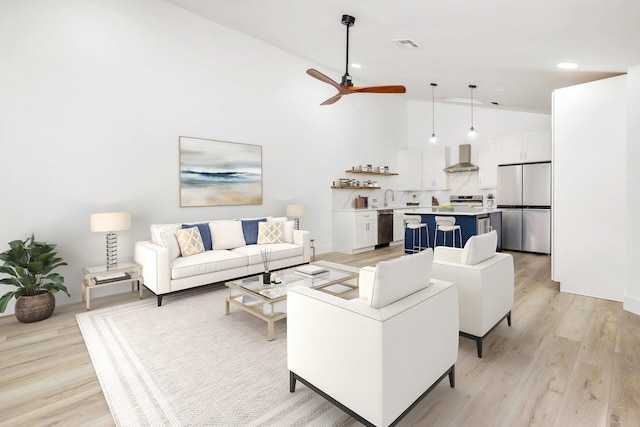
310 270
99 280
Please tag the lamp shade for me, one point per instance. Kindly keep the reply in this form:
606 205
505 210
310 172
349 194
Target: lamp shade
110 221
296 211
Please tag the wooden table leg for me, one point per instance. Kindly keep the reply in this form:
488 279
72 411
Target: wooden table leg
270 330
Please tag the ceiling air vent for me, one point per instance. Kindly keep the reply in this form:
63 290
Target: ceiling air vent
408 43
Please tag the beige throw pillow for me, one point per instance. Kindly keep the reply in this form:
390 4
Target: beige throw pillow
270 232
170 241
190 241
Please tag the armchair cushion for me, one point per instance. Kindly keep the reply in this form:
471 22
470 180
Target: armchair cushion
400 277
479 248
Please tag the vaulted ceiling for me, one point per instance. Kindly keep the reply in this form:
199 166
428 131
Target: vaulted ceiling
508 48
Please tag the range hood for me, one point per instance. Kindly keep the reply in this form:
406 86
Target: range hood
464 157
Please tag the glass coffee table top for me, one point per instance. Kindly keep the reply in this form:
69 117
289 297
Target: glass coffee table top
329 281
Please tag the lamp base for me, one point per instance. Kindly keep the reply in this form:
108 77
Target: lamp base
112 250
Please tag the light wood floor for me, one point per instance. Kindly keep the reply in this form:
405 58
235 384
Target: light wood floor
568 360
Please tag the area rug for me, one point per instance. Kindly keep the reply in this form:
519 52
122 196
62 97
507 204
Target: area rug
187 363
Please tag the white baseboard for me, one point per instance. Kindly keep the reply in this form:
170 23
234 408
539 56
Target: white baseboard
631 304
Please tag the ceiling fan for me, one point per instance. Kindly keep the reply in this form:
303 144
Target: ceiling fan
346 87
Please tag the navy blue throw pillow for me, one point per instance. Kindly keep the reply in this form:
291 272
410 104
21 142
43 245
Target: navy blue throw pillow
205 233
250 230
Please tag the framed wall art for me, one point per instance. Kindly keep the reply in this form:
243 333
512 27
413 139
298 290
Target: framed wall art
219 173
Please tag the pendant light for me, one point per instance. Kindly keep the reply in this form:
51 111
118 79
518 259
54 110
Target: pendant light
473 133
433 138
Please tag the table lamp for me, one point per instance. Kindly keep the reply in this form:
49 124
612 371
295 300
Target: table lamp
295 212
110 222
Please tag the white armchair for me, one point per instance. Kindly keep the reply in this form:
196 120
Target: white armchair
485 283
377 355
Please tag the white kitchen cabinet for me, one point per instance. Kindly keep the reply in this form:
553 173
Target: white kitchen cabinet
488 157
398 225
526 148
354 232
423 169
537 146
434 160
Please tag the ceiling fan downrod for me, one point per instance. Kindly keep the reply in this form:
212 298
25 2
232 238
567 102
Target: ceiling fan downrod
348 21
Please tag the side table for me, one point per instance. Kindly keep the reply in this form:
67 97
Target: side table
101 276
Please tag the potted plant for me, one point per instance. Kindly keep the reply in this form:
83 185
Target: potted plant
30 265
490 200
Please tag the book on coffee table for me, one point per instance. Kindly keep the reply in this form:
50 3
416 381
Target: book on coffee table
309 270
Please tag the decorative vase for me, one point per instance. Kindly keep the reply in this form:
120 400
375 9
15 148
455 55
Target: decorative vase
33 308
266 278
490 203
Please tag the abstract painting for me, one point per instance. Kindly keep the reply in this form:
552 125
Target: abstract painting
219 173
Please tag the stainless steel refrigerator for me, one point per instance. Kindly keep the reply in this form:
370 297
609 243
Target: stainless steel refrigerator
524 192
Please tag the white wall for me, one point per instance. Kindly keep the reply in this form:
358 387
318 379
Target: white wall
590 188
632 294
95 95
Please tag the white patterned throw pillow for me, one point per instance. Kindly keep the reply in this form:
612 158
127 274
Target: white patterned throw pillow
190 241
270 232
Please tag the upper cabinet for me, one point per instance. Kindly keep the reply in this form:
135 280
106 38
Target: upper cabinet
527 148
423 169
488 157
434 160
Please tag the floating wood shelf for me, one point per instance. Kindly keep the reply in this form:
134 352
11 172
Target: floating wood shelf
371 173
354 187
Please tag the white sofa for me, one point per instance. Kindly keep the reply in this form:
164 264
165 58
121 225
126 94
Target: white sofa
377 355
485 281
165 270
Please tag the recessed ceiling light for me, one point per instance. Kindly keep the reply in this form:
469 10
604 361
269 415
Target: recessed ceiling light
354 65
567 65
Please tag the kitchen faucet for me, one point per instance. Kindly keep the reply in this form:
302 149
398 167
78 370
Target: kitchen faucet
393 198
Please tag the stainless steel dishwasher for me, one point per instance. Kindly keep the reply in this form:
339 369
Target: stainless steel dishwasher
385 226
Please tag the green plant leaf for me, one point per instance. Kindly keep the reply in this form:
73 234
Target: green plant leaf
11 281
5 300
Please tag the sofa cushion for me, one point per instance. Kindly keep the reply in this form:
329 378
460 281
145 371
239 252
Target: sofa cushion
189 241
400 277
250 230
227 234
206 262
270 232
479 248
205 234
158 229
277 251
170 241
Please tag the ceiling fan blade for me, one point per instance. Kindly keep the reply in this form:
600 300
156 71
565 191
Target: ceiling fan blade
318 75
333 99
380 89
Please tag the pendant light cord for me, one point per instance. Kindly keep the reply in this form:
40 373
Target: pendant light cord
472 87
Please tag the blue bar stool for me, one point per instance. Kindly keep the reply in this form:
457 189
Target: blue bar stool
446 224
412 222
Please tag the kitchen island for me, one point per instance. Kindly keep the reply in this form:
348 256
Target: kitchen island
472 221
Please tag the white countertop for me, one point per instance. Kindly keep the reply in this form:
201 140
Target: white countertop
455 211
427 210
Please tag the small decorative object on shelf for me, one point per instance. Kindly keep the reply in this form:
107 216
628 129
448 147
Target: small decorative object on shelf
266 258
490 200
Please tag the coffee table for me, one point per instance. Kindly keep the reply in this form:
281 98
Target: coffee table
268 302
